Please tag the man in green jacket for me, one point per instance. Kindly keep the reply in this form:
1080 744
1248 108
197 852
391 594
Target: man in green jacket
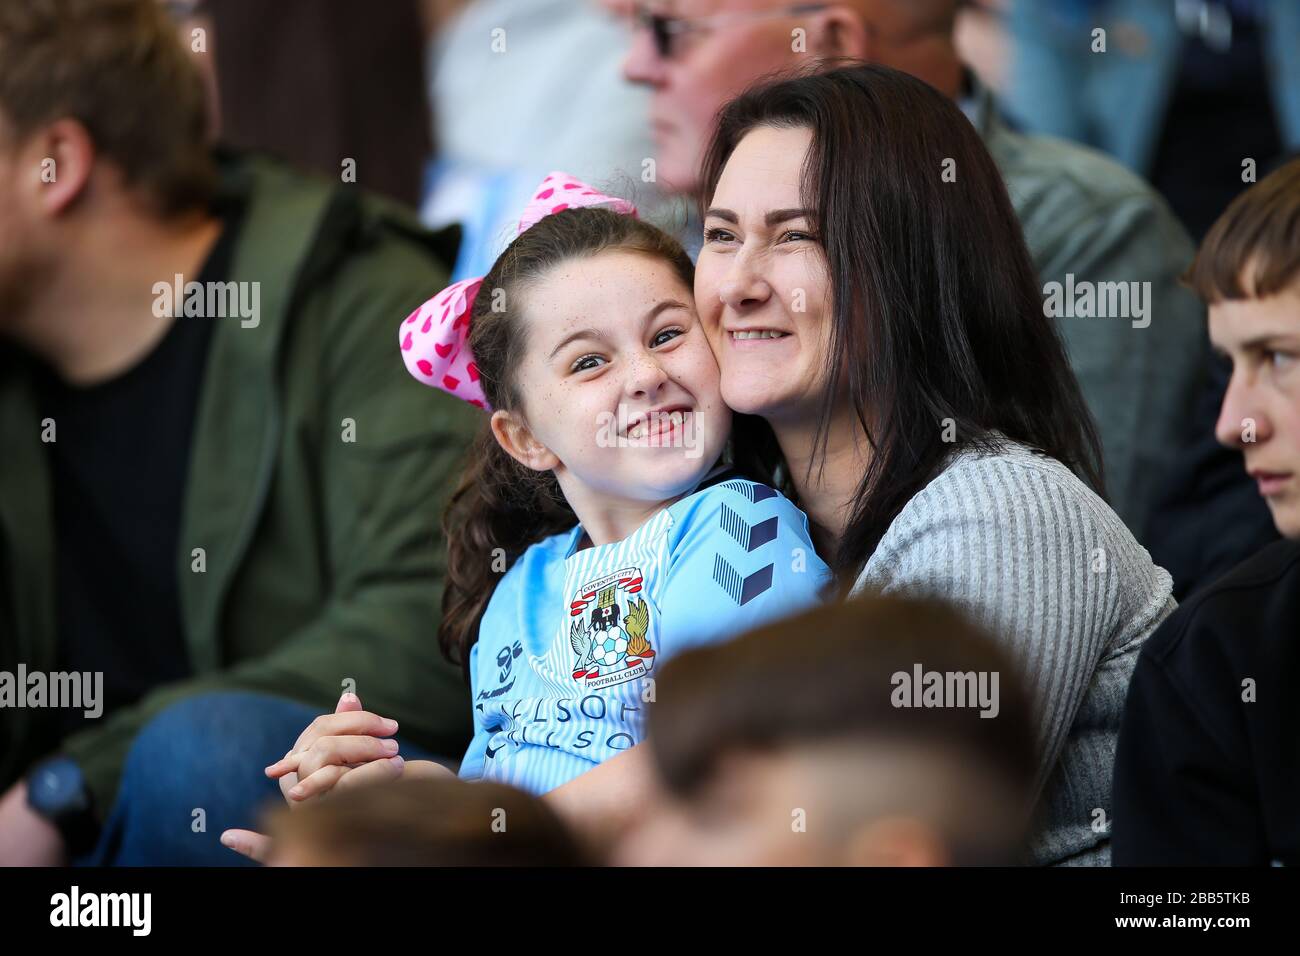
213 474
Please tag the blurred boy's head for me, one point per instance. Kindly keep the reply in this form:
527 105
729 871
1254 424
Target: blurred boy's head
1248 272
804 743
428 822
102 113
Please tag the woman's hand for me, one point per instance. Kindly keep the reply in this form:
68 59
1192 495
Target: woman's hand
345 748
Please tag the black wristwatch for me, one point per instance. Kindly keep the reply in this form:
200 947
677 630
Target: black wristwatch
57 791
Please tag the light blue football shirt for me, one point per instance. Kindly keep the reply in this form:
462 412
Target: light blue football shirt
571 641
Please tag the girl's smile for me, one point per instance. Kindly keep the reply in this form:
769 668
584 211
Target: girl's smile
617 367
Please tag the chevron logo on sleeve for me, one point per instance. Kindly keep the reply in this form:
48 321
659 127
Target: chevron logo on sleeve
742 588
750 536
754 492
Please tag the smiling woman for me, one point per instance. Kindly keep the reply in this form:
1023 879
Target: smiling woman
764 266
828 217
878 326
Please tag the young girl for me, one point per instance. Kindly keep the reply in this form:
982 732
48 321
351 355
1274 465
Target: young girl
595 531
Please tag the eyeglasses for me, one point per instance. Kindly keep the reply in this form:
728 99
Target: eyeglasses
665 30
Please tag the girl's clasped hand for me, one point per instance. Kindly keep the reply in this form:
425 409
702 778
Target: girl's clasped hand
348 748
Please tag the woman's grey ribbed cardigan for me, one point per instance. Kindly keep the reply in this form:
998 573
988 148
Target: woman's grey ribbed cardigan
1025 547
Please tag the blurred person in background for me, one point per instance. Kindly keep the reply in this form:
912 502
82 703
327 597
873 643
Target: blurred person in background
1183 93
520 88
981 38
1208 767
1087 220
803 743
1202 97
447 822
216 491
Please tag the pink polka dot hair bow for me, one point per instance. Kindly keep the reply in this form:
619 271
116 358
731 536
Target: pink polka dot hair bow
435 337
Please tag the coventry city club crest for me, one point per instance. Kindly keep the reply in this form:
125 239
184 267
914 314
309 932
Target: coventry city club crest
610 630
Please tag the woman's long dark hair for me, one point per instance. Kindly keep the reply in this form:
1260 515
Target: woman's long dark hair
937 310
500 507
